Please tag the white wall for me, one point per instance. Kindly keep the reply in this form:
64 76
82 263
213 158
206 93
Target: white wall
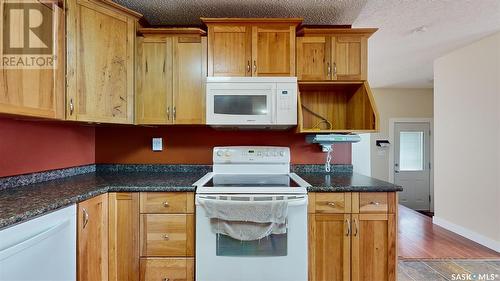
467 141
396 103
361 155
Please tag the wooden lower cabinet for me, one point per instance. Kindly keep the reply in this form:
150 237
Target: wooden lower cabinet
373 247
167 269
123 236
354 245
329 247
92 235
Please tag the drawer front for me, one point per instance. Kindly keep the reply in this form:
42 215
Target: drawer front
166 202
171 269
166 235
334 203
373 202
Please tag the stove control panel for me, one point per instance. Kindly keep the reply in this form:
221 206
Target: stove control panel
251 154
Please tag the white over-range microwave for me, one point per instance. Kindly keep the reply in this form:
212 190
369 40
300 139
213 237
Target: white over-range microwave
269 102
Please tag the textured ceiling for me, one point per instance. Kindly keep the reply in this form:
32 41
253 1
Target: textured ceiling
188 12
401 56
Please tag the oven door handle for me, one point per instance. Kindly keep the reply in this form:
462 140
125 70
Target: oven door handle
300 200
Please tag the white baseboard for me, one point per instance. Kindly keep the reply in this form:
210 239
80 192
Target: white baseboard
474 236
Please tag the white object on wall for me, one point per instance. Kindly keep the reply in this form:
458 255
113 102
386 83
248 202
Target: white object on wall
361 155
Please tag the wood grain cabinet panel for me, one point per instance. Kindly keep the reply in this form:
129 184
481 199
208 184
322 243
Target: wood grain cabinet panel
92 237
373 247
349 57
273 50
100 62
154 81
123 236
167 235
313 58
36 92
171 74
329 247
167 202
331 202
229 51
171 269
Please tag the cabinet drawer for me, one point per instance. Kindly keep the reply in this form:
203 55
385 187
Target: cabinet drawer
373 202
166 235
332 203
154 269
167 202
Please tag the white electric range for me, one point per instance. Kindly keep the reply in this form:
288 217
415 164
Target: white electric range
249 174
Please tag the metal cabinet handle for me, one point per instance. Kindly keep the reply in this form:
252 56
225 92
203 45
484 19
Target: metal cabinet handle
71 107
85 217
146 66
166 279
348 232
334 68
168 112
375 203
166 237
165 204
254 66
328 69
174 113
248 66
331 204
355 227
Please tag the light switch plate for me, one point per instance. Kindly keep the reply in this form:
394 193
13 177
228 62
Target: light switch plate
157 144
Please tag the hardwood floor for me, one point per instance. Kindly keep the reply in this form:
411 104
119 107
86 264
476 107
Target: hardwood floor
419 238
443 270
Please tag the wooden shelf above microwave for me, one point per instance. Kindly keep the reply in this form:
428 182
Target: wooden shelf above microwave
347 106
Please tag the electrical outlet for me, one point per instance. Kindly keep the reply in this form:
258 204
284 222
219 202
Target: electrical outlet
157 144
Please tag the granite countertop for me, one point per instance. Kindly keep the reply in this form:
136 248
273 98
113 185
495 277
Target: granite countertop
21 203
346 182
18 204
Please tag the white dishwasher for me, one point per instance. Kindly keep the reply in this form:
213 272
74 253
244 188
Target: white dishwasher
40 249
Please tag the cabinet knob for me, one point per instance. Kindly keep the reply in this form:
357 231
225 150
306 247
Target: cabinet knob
166 237
165 204
331 204
375 203
166 279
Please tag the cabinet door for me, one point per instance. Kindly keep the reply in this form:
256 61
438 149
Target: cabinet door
349 56
36 92
373 247
154 81
170 269
229 50
329 247
100 63
273 50
189 80
124 236
93 239
313 58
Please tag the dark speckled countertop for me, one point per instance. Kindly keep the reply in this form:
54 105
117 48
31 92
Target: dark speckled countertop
18 204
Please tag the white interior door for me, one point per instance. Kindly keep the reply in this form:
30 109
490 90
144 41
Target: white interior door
412 163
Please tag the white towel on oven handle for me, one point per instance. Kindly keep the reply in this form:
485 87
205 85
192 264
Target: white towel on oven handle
246 220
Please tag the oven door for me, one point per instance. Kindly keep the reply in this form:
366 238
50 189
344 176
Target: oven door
240 103
272 258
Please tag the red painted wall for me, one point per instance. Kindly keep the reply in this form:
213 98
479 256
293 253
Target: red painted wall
193 145
33 146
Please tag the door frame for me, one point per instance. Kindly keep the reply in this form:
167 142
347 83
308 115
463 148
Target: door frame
392 124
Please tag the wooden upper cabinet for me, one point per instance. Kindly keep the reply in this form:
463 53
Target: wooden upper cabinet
36 92
229 50
154 81
92 237
313 58
333 53
100 61
171 71
251 46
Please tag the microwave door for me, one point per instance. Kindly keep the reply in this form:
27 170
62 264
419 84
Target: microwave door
240 106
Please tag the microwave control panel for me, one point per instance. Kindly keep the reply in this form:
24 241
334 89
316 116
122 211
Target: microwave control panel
286 103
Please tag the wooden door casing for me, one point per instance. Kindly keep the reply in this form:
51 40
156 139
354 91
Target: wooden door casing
92 237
